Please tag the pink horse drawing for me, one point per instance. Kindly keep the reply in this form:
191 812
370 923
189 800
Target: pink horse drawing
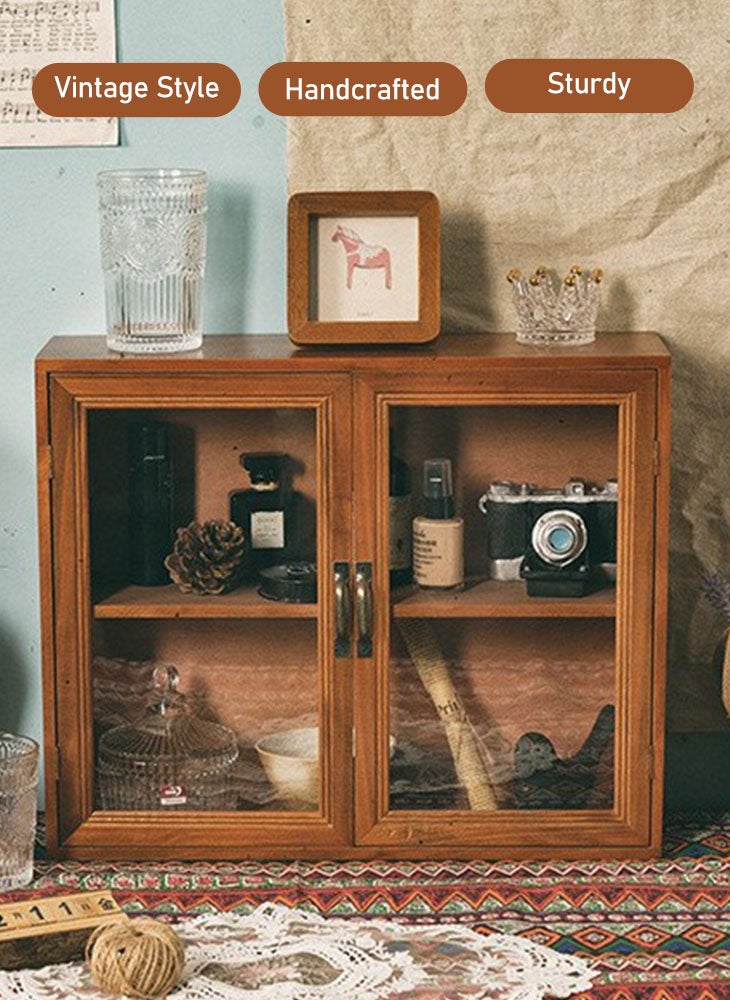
361 254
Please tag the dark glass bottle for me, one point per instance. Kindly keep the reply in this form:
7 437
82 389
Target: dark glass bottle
267 511
150 502
401 514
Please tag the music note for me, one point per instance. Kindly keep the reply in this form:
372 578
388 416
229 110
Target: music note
34 33
40 9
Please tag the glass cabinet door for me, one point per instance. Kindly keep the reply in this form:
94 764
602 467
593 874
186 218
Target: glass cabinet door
203 672
512 585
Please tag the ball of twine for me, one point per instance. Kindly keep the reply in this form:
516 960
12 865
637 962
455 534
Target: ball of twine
140 958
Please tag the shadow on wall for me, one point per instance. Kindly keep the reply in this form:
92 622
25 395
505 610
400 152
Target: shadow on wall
469 306
464 307
699 540
13 682
227 265
617 311
696 768
696 771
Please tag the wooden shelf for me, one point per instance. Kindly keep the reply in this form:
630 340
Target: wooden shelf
169 602
492 599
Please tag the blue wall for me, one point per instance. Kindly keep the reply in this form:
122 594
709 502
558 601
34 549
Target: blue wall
49 261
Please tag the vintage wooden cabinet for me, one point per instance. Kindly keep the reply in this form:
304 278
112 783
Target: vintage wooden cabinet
559 701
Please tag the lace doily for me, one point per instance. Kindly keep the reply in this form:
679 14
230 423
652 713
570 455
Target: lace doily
280 954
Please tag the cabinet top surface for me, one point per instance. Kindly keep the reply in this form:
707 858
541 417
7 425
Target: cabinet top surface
275 351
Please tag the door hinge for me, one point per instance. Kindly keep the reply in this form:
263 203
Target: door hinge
657 453
354 741
47 460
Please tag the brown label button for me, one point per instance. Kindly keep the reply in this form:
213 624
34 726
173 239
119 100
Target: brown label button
362 88
570 86
136 90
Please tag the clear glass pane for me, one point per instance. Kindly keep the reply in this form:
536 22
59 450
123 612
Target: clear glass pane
502 714
257 680
502 660
234 613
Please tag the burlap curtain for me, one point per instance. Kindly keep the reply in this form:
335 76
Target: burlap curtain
644 196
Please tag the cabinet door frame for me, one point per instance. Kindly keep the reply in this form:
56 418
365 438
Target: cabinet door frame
75 829
633 826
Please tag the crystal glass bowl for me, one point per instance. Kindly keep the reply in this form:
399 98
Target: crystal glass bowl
18 776
555 311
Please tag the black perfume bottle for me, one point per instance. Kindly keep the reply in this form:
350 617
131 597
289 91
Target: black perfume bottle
268 511
150 501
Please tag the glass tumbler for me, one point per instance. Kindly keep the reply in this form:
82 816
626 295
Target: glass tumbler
18 776
153 257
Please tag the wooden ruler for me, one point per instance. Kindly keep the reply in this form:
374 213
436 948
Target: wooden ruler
37 932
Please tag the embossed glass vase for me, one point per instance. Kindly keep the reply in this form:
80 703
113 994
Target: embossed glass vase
18 775
153 257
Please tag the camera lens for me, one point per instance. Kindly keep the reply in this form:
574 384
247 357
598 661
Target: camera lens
559 536
560 539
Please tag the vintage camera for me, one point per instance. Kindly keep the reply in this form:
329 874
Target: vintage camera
561 542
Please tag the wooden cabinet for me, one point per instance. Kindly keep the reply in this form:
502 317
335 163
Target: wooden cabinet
472 723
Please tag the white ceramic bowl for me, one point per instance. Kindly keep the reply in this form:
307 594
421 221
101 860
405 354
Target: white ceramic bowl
291 762
290 759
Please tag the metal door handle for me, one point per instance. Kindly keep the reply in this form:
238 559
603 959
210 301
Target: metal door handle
364 608
343 609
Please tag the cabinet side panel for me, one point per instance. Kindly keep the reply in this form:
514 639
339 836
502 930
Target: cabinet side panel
70 654
635 608
45 553
661 588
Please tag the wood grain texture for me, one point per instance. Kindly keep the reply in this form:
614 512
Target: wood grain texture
262 352
661 596
492 599
629 393
47 930
492 405
46 535
305 329
168 602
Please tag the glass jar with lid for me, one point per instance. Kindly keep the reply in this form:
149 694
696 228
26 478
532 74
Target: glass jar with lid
169 760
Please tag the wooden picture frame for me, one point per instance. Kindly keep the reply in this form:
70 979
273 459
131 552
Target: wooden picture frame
381 284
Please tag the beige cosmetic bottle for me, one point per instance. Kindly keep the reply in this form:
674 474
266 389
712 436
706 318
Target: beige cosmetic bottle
438 536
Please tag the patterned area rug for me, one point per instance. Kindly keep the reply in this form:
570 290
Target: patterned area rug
654 930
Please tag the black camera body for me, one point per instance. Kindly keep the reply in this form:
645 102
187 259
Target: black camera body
562 542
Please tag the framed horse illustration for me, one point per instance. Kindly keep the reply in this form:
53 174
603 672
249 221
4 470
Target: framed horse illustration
363 267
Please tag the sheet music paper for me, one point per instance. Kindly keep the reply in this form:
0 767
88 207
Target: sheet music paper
34 33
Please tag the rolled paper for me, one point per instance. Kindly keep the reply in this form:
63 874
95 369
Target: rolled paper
466 750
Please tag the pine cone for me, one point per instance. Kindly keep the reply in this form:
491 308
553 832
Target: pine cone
207 558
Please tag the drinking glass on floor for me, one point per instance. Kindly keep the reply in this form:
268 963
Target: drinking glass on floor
18 777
